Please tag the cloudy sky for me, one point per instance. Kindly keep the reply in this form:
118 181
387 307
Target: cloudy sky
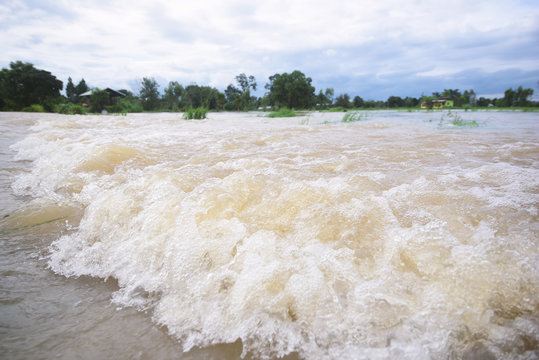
369 48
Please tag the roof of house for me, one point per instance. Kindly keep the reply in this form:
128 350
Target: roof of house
109 90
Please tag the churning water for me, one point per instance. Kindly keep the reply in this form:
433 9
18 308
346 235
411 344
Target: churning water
399 236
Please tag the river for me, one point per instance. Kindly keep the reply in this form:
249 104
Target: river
409 235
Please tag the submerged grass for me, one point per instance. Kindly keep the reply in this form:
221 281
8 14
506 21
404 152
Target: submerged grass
282 112
454 119
195 113
353 116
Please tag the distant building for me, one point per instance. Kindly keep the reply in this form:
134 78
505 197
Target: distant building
441 103
114 96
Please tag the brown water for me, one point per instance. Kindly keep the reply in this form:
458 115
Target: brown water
403 235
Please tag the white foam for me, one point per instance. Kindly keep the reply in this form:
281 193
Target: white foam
321 242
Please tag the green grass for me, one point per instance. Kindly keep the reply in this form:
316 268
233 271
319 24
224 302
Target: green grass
195 113
353 116
282 112
34 108
454 119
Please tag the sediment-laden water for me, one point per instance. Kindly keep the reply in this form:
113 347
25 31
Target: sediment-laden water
398 236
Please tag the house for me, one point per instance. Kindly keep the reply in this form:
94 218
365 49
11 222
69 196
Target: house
441 103
114 96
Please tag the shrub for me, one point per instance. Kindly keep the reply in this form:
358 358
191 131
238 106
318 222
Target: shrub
69 109
34 108
195 113
282 112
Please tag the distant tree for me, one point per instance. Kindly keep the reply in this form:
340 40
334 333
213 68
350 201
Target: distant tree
325 99
518 97
81 88
70 90
369 104
173 94
522 96
292 90
98 100
482 101
202 96
239 98
343 101
149 94
246 82
233 97
411 101
395 101
358 102
23 85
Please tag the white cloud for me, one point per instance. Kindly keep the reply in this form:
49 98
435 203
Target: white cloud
110 43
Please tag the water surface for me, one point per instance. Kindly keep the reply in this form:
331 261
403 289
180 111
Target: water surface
403 235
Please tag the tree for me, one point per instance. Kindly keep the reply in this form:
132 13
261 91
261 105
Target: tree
522 96
240 98
292 90
358 102
395 101
98 100
70 90
81 88
173 94
149 93
411 101
233 97
246 82
202 96
343 101
23 85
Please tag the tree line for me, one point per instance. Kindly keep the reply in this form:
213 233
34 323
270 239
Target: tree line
26 88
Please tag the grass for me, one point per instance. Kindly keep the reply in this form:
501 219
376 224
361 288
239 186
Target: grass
282 112
454 119
353 116
195 113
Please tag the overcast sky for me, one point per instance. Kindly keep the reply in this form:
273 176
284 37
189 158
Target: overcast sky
369 48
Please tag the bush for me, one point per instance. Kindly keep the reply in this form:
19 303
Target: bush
34 108
195 113
69 109
282 112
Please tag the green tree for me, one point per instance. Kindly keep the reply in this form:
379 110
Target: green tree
395 101
240 98
98 100
149 94
292 90
325 99
81 88
343 101
233 97
522 96
195 96
23 85
411 101
173 94
246 82
358 102
70 90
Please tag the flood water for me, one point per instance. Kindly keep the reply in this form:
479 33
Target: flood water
404 235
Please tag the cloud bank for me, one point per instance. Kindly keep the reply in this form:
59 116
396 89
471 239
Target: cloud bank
371 49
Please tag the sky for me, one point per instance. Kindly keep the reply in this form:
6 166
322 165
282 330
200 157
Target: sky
373 49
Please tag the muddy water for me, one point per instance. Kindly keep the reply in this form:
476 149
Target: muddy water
401 235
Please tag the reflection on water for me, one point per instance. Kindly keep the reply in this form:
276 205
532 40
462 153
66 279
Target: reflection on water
400 235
